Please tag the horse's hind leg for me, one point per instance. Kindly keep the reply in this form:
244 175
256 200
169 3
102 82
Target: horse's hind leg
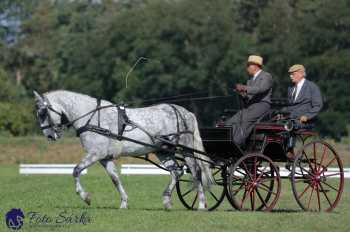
111 170
170 164
86 162
196 174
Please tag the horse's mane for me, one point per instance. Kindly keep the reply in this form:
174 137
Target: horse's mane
66 93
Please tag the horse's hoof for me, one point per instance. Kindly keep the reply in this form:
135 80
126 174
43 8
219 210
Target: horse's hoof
87 198
167 202
202 207
123 205
167 206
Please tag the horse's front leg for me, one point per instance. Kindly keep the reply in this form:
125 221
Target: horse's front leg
196 174
111 170
87 161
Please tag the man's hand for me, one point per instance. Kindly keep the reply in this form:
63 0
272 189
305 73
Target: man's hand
303 119
241 88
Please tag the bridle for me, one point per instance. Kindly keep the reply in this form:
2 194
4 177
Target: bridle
43 111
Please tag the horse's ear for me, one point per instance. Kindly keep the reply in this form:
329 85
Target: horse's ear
38 98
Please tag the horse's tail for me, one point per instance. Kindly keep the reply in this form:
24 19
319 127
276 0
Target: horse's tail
203 161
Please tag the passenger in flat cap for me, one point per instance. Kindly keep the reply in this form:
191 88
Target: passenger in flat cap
256 96
304 101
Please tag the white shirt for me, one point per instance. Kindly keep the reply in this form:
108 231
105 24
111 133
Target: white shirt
256 74
298 88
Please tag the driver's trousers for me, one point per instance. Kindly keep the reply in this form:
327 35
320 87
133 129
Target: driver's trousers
243 121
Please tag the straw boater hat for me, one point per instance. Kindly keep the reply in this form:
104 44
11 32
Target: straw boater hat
296 67
254 59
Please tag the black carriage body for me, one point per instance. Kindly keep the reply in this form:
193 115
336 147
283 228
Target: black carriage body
267 138
218 143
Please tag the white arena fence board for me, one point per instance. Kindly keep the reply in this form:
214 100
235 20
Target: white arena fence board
142 169
149 169
126 169
29 169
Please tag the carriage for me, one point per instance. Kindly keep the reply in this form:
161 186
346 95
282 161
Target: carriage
250 178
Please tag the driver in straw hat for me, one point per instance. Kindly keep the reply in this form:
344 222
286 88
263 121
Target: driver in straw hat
256 96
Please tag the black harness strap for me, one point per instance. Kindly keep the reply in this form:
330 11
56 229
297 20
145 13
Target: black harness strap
98 110
85 127
179 117
123 120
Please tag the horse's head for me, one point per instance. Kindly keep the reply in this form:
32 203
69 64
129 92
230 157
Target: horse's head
51 120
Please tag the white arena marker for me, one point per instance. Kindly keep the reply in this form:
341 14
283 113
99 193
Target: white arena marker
142 169
28 169
148 169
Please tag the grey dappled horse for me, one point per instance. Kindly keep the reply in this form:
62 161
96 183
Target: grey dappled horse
60 108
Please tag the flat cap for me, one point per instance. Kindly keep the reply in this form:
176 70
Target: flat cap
254 59
296 67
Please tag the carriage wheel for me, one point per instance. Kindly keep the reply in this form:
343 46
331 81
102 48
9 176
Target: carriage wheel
187 192
317 177
253 183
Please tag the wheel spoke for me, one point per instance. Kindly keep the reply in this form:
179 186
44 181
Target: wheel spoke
242 173
266 179
252 199
307 171
237 183
315 156
322 157
266 188
213 195
246 169
237 177
260 197
333 174
194 201
216 172
301 180
326 196
325 167
254 171
318 198
237 190
219 181
244 197
308 160
183 195
308 204
324 182
307 187
262 173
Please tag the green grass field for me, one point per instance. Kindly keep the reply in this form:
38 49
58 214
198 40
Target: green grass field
54 194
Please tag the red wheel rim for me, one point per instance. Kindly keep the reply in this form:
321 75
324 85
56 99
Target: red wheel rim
317 177
254 183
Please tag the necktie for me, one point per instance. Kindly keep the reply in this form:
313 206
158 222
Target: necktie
294 93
